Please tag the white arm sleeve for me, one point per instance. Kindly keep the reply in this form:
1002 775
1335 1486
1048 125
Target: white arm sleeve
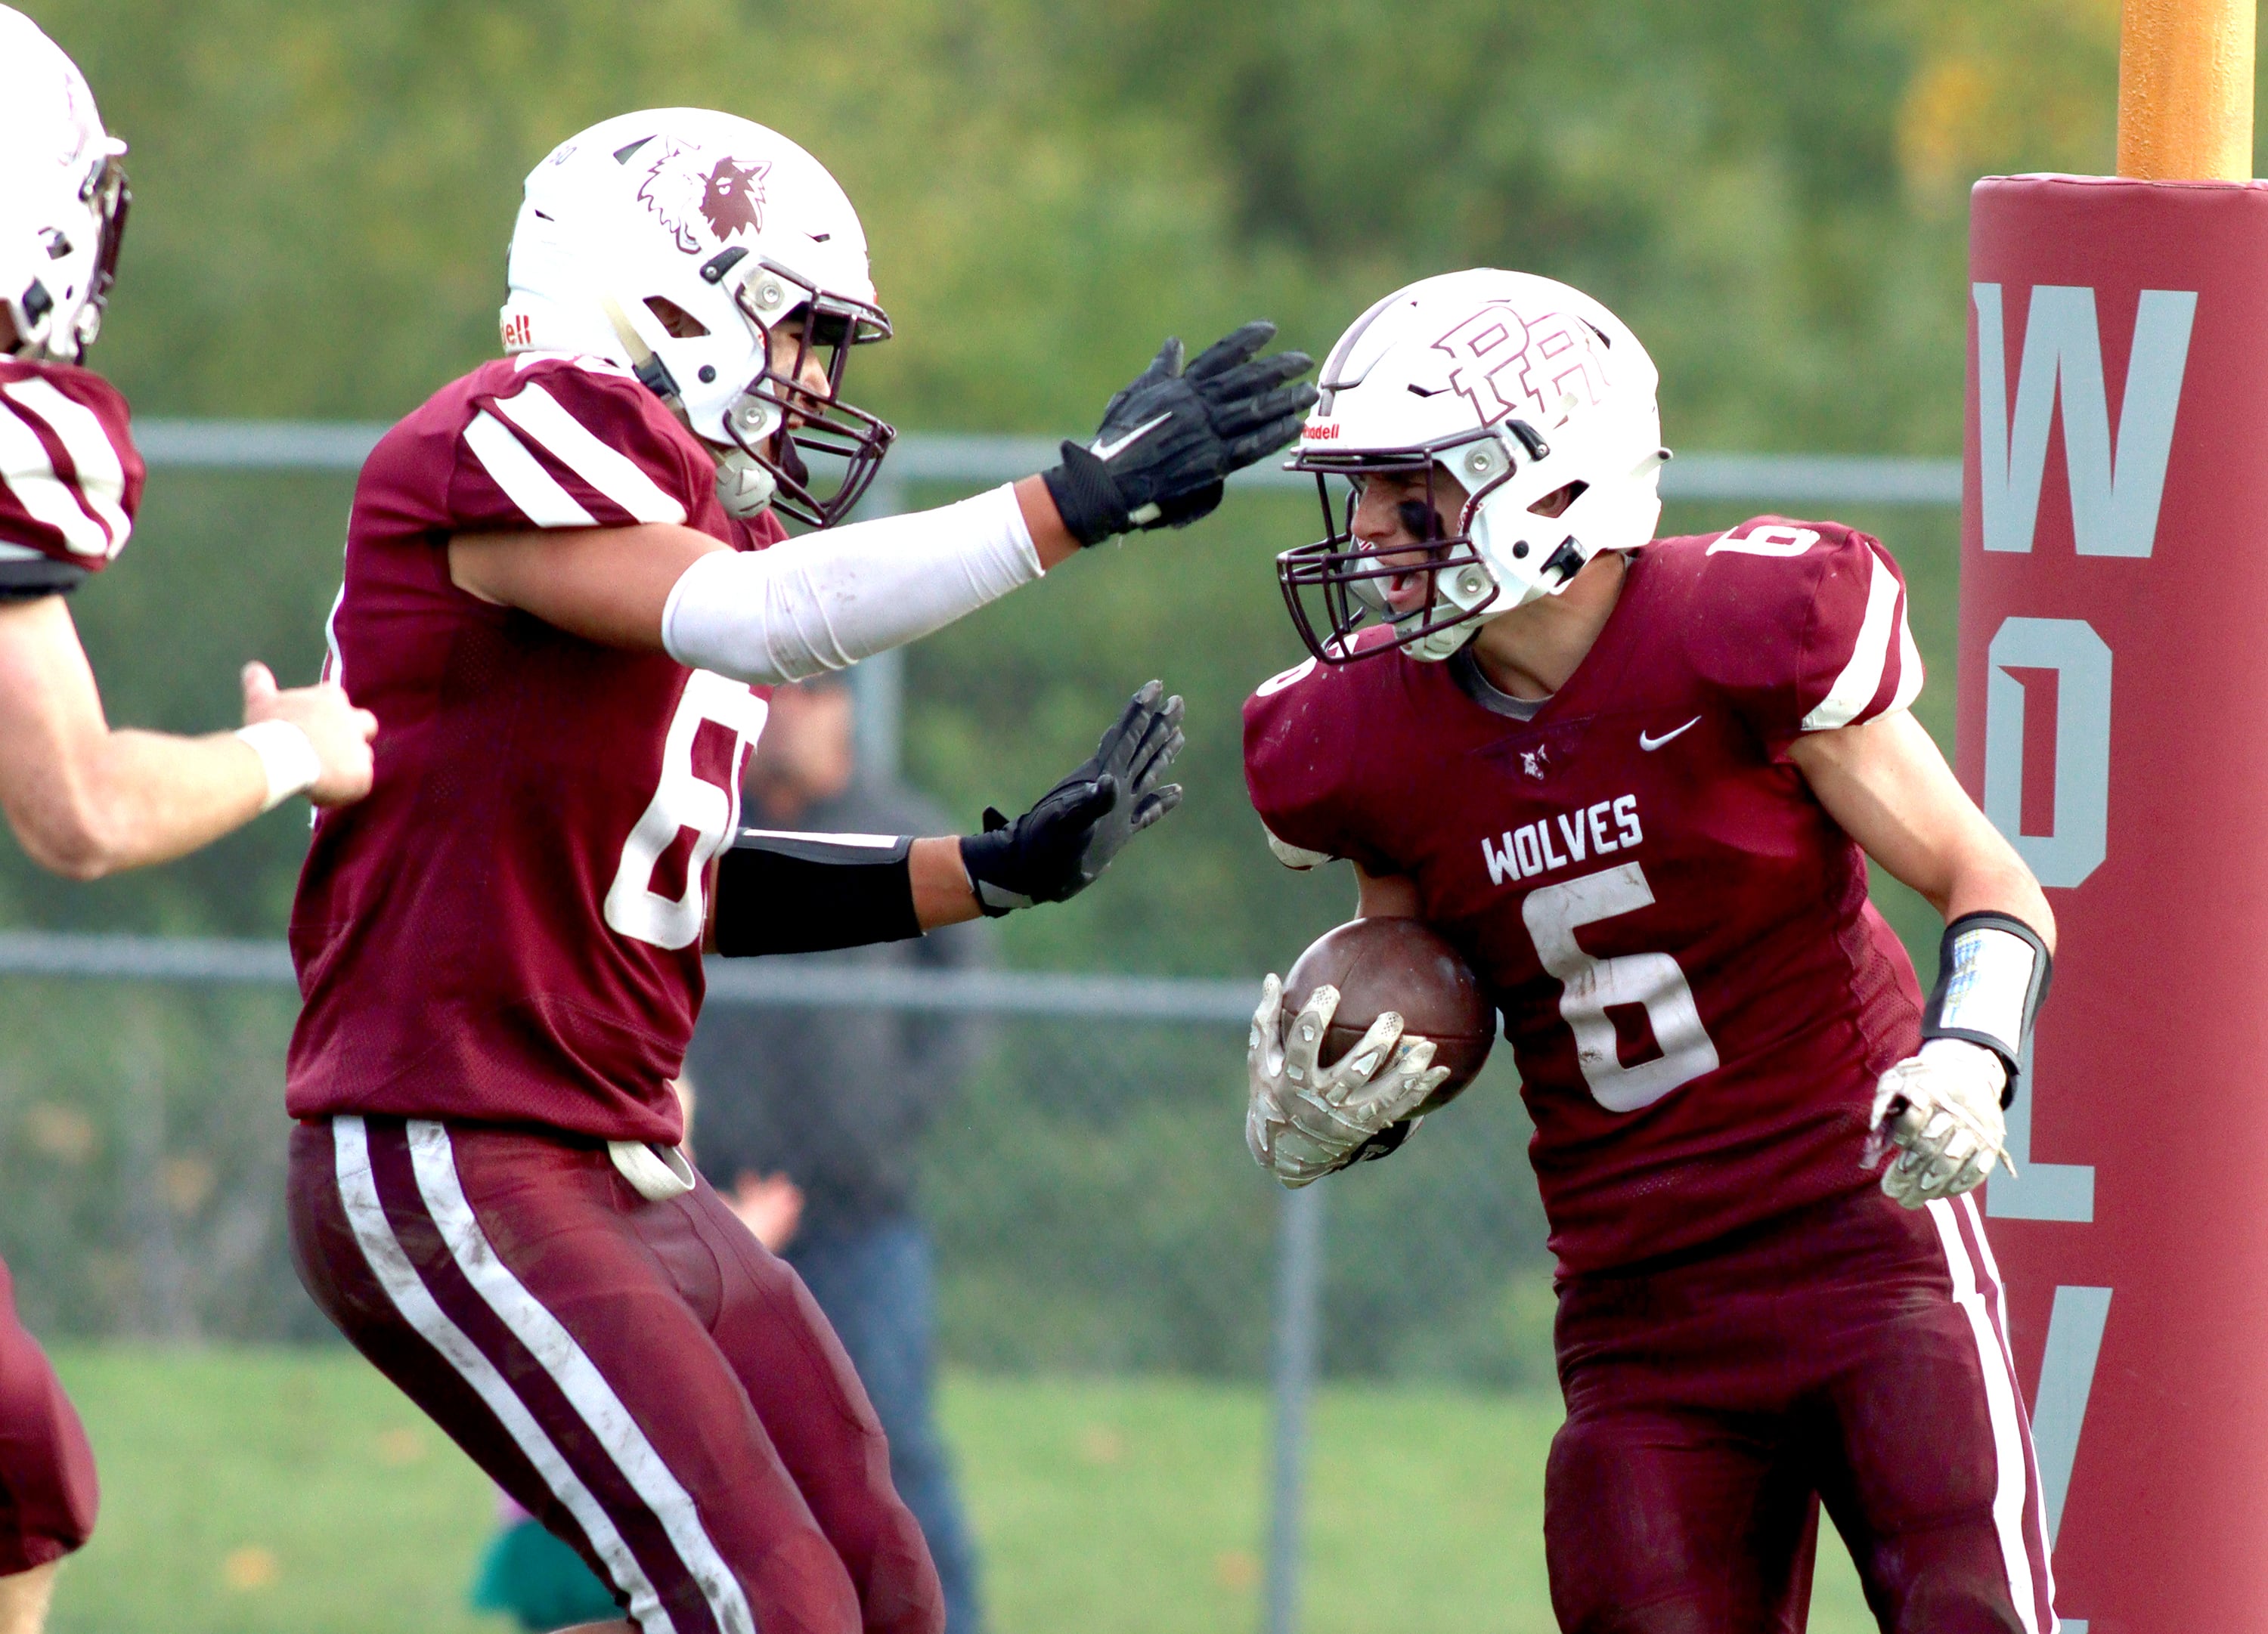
827 599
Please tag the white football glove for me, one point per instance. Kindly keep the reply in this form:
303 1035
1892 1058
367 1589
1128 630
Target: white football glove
1942 1110
1305 1120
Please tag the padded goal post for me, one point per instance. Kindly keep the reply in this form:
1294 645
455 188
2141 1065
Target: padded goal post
2114 638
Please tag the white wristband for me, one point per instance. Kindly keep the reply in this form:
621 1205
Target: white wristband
288 756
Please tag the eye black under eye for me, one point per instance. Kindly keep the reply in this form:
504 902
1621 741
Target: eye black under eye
1419 519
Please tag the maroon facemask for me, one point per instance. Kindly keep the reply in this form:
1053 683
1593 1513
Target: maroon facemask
1350 578
111 196
106 190
834 431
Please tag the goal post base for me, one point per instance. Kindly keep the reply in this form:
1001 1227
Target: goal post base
2114 625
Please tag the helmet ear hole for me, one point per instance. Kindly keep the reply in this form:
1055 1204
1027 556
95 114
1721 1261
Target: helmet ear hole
681 324
1560 498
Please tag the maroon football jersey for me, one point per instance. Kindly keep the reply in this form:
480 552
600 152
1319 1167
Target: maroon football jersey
1697 991
70 478
508 929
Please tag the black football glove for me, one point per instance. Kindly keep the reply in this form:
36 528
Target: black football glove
1061 845
1169 441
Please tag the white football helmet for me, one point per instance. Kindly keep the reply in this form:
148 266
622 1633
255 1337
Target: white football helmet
62 197
1517 388
674 241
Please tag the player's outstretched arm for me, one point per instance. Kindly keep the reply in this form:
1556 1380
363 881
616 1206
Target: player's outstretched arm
795 892
1885 782
824 600
87 800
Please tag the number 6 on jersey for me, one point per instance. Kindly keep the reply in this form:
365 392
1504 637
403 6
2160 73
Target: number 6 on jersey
1593 986
684 799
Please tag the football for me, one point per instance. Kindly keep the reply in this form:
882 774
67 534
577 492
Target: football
1405 966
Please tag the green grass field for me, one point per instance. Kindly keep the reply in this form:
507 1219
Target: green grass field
246 1492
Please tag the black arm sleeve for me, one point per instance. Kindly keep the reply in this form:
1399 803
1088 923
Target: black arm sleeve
30 577
805 892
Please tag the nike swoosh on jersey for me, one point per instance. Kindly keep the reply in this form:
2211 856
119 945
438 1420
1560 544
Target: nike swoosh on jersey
1652 744
1111 451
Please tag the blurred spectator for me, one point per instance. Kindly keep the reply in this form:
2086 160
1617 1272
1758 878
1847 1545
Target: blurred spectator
533 1577
812 1119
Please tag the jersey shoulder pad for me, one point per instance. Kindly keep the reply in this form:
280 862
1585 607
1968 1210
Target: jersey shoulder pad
1305 734
548 441
1802 624
70 478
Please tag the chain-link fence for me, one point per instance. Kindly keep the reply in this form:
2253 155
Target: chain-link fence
1093 1207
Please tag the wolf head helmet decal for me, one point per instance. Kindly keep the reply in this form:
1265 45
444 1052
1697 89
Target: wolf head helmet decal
685 194
733 200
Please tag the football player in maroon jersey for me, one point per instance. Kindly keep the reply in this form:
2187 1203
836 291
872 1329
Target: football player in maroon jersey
83 799
1636 784
566 592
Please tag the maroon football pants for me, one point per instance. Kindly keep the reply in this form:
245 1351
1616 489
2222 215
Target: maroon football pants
1855 1355
48 1493
645 1378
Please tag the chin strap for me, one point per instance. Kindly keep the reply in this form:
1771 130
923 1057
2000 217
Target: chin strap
744 486
640 355
651 373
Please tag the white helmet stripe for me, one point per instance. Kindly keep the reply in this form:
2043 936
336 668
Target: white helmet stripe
1331 376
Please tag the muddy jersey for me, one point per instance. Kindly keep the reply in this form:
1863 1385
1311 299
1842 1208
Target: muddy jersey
508 930
1696 991
70 478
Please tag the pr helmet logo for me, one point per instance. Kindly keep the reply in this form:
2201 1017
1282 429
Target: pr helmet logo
1505 364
